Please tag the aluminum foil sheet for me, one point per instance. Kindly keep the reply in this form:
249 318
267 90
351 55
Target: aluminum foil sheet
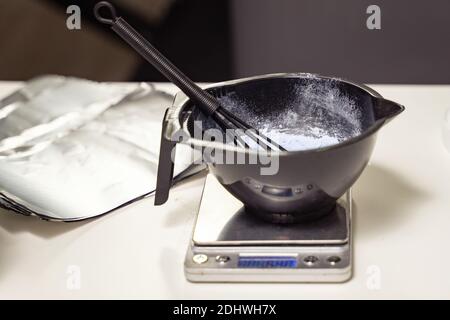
72 149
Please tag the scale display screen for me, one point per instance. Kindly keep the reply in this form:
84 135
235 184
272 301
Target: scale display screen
267 262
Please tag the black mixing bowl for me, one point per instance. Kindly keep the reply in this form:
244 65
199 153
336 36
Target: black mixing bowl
337 122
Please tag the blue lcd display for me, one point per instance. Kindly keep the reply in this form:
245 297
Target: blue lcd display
267 262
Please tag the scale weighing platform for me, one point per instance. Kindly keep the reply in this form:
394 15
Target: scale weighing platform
230 245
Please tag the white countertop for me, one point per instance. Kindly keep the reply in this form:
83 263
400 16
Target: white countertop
401 230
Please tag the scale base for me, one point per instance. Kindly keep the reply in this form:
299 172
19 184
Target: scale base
214 270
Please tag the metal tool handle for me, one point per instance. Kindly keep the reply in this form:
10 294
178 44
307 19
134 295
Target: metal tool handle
206 101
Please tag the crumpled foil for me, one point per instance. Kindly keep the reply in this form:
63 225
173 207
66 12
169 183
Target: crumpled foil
72 149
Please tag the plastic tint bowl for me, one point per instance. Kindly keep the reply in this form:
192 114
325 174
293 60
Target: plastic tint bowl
307 183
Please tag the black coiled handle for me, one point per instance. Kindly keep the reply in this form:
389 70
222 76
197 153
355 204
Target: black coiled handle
206 102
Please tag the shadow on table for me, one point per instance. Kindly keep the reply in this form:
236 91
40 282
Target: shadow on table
184 213
383 200
11 222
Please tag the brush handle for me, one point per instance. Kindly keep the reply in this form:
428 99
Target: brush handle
206 102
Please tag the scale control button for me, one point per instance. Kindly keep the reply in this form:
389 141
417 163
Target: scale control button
200 258
222 259
333 260
310 260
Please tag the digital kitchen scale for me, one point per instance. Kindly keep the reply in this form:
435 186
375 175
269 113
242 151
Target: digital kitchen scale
230 245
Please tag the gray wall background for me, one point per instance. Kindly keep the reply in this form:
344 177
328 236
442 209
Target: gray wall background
330 37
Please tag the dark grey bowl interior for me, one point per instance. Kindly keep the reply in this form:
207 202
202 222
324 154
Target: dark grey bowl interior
326 110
